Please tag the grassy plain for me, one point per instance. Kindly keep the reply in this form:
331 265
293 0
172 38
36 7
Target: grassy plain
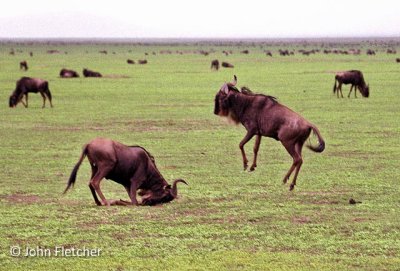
226 219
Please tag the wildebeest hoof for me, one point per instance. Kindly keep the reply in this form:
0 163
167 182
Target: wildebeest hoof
252 168
245 167
291 187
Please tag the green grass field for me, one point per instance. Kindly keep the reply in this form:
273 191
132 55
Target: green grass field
226 219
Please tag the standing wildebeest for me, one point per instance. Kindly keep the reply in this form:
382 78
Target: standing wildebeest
65 73
262 115
26 85
353 77
215 64
89 73
23 65
131 166
227 65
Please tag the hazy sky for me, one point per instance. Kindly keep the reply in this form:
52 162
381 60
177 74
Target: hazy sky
202 18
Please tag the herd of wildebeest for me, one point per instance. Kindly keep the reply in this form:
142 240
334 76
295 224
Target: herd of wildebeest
262 115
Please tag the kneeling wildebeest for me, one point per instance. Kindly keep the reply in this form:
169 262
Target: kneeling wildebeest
262 115
26 85
65 73
89 73
131 166
226 65
353 77
23 65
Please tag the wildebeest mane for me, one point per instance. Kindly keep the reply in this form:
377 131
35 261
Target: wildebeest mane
246 91
232 88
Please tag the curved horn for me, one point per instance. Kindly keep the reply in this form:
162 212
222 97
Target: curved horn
174 191
233 83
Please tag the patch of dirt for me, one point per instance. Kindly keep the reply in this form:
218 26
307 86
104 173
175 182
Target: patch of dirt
301 220
360 219
22 198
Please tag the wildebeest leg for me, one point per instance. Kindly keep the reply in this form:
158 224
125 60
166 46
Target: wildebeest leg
26 99
48 95
355 91
95 183
94 194
351 88
44 99
133 190
340 89
256 147
246 139
92 188
294 149
298 161
21 99
119 202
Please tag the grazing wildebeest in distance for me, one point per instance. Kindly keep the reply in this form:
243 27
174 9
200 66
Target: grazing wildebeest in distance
284 52
268 53
89 73
33 85
227 65
370 52
142 61
130 61
66 73
23 65
53 52
353 77
215 64
398 60
263 115
131 166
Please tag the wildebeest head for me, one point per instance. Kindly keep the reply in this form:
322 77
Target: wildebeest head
221 107
13 100
166 194
365 91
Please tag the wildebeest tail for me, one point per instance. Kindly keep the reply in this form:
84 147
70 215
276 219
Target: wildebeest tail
72 177
321 146
48 91
334 87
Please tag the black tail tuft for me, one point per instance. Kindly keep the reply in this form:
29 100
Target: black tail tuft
334 87
72 177
321 146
